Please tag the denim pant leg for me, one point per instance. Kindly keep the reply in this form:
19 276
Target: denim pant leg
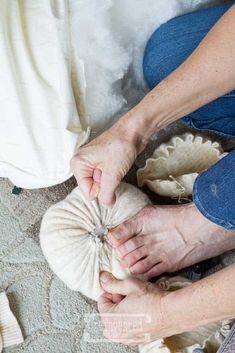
214 192
228 346
168 47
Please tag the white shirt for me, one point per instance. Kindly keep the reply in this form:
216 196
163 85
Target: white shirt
39 121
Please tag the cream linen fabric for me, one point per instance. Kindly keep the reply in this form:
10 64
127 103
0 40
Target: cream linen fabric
174 166
39 120
73 240
10 332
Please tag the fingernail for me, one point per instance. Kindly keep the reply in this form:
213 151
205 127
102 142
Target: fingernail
104 277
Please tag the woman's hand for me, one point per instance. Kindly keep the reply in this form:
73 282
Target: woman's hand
145 313
138 316
100 165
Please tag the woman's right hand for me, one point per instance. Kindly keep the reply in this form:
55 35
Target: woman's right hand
100 165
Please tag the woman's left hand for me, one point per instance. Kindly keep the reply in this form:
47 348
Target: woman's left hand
134 311
136 314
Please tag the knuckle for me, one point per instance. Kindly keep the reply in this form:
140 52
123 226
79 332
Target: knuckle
76 158
75 161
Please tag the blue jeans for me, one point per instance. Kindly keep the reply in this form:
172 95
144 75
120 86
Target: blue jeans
168 47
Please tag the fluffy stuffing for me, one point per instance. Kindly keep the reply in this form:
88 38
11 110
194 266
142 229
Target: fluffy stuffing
109 37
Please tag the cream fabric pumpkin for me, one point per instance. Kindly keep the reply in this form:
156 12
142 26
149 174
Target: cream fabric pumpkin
73 240
174 166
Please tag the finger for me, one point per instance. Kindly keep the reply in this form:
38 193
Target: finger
125 231
129 246
105 303
85 185
108 186
142 266
115 286
85 182
83 172
133 257
157 270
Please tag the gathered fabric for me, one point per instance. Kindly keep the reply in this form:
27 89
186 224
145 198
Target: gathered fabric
73 237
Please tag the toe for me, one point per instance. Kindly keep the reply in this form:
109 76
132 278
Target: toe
129 246
142 266
157 270
122 233
134 256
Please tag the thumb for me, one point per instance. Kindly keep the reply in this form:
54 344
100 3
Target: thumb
107 302
108 186
113 285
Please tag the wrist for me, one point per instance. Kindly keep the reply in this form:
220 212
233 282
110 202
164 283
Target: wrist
171 314
130 127
153 113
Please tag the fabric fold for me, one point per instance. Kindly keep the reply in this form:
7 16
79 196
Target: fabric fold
10 331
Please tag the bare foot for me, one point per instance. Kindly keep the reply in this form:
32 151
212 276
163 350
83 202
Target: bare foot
167 238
